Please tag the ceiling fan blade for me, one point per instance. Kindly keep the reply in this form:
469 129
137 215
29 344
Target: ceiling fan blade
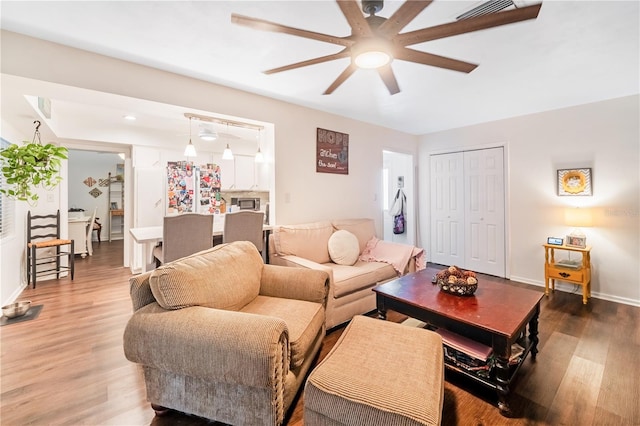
342 54
401 17
355 18
261 24
468 25
341 79
419 57
389 79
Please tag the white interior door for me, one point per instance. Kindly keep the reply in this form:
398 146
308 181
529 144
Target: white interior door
467 210
484 211
447 209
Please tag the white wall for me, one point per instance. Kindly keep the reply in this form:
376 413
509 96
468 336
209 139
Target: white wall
604 136
301 194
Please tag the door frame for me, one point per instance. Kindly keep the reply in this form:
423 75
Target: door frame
507 189
98 147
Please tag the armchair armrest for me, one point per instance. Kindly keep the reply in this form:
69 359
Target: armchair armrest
213 344
301 262
295 283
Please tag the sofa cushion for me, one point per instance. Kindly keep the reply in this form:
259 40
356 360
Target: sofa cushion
343 248
224 277
304 320
364 229
309 241
349 279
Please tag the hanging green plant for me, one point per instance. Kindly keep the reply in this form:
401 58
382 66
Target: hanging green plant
28 166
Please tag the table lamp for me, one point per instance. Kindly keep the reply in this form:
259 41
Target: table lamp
578 218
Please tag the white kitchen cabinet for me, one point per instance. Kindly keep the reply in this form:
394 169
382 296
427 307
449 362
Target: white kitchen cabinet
227 174
245 176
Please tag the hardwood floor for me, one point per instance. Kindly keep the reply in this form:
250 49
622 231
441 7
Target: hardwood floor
67 366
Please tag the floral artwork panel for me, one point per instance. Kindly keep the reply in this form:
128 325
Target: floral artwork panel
89 181
574 182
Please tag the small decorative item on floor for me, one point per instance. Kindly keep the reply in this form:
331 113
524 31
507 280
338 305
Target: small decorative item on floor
17 309
456 281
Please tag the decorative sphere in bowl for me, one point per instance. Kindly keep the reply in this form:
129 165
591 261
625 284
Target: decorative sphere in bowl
456 281
16 309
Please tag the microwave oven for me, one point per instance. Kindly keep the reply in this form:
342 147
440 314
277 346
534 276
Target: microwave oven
246 203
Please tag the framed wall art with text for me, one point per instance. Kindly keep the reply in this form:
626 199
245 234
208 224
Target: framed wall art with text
332 152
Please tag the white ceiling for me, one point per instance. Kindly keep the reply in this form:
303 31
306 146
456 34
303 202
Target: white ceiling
575 52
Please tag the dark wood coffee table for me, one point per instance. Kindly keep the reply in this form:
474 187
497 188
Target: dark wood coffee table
497 315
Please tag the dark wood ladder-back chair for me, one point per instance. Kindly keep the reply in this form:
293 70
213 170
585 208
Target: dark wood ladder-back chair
43 232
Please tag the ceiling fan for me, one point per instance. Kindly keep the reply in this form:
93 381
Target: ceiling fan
375 41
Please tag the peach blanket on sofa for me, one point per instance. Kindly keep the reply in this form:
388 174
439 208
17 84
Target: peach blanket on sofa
397 255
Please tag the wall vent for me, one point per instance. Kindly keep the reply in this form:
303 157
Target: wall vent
491 6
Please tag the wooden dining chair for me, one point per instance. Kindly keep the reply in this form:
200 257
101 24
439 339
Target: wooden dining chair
96 227
244 225
90 229
44 247
183 235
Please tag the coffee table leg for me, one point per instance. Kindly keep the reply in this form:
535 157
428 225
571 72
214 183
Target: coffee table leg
533 333
502 378
382 309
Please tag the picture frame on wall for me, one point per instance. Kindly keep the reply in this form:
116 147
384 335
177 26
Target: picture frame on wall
574 182
332 152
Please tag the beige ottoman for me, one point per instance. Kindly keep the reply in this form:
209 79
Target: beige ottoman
378 373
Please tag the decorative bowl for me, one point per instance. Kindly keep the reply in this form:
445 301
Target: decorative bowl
456 281
16 309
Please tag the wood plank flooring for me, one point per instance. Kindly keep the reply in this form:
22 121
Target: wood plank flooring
67 366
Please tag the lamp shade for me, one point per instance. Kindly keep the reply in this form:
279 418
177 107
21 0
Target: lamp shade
227 154
578 217
190 150
259 158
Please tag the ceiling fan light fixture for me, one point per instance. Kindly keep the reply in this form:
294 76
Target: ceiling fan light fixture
371 54
208 135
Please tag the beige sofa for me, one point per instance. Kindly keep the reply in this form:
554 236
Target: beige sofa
307 246
221 335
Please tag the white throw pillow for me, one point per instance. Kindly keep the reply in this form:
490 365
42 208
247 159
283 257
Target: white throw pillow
343 247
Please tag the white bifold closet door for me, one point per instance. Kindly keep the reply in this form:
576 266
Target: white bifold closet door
468 210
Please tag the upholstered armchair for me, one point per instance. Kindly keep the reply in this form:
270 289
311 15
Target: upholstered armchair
221 335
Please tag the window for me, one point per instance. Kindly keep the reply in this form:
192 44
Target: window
7 206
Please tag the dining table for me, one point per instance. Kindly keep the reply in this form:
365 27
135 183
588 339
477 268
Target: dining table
149 237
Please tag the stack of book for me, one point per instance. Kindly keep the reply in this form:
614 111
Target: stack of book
465 353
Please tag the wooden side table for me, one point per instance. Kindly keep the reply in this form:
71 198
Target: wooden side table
581 274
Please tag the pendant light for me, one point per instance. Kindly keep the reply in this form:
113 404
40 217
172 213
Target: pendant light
190 150
227 154
259 157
